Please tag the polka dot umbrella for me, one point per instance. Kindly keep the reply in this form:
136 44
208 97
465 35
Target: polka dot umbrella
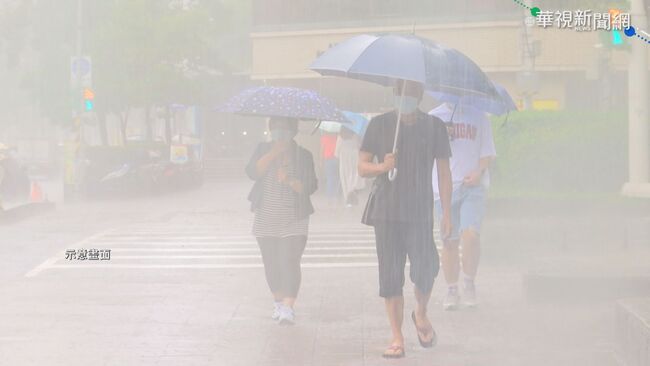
270 101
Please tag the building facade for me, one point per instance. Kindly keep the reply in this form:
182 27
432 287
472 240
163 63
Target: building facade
550 68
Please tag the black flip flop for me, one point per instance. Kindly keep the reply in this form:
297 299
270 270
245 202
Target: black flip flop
395 355
434 337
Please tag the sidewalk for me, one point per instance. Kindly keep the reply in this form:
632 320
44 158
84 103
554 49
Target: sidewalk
15 210
221 317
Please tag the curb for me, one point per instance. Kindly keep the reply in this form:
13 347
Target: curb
633 331
544 288
24 212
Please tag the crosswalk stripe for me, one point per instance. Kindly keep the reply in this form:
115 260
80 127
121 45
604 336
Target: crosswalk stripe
233 232
242 240
188 250
162 246
112 244
213 229
50 262
207 266
213 238
238 256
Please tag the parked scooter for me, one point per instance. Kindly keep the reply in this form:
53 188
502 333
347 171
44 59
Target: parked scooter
139 175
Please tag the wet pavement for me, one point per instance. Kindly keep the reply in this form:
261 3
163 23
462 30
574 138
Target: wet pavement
184 286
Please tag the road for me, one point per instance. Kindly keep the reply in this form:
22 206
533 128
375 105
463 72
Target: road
184 286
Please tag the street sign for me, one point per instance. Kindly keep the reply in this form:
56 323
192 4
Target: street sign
179 154
81 71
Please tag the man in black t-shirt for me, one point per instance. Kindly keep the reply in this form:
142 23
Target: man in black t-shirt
401 210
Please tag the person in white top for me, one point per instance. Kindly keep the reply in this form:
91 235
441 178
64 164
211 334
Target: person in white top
347 151
472 147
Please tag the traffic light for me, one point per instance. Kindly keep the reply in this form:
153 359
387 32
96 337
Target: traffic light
617 38
89 97
614 39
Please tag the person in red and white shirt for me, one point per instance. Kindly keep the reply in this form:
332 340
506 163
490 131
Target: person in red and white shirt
472 149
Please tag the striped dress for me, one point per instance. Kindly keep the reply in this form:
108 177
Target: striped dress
276 216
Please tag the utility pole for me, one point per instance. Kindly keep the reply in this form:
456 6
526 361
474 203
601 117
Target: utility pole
77 63
79 28
527 78
71 167
638 184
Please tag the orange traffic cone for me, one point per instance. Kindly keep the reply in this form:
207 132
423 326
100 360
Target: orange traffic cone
36 195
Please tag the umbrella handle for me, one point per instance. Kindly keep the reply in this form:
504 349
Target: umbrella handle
316 128
453 114
505 121
392 174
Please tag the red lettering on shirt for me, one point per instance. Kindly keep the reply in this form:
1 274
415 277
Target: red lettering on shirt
463 131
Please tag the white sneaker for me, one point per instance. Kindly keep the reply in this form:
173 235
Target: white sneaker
287 316
276 310
469 295
452 299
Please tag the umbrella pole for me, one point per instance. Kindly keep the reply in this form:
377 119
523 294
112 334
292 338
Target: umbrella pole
316 127
505 121
453 113
393 173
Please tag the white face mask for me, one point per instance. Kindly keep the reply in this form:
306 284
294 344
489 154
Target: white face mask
409 104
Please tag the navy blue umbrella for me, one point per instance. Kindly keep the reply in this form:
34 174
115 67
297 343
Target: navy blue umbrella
496 106
269 101
385 59
391 58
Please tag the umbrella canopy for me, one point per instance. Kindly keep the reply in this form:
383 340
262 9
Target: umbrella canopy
269 101
499 106
391 58
458 113
329 126
385 59
358 124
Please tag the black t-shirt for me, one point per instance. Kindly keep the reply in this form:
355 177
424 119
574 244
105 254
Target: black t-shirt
409 197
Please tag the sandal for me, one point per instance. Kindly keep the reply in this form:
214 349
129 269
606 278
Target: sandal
395 352
433 340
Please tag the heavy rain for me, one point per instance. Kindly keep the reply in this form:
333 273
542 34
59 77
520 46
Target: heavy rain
325 182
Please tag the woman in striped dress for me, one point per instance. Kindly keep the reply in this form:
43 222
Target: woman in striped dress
284 179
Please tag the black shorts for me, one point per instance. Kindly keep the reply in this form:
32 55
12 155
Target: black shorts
397 240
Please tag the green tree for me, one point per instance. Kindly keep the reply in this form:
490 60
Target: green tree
144 53
49 42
